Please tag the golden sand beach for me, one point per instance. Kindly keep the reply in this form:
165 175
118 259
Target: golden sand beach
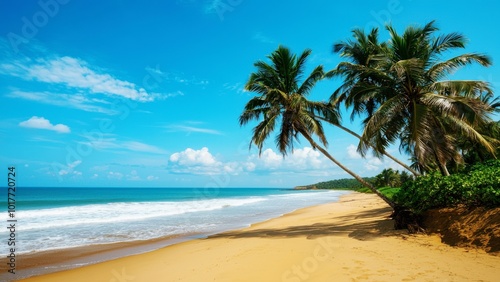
349 240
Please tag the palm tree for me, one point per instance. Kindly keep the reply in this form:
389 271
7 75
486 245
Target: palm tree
387 177
364 51
411 101
282 101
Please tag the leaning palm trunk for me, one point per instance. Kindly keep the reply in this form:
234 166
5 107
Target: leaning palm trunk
414 172
442 166
282 99
359 178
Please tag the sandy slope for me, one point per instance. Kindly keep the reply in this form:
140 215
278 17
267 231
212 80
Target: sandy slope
347 241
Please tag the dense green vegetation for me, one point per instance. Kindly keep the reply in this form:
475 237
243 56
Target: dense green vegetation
391 178
389 192
351 184
478 185
474 185
338 184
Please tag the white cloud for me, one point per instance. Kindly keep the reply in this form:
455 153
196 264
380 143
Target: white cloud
190 157
142 147
42 123
370 162
307 158
101 143
76 73
373 163
312 163
249 166
152 178
115 175
75 101
271 159
191 129
304 159
202 162
112 143
352 152
133 176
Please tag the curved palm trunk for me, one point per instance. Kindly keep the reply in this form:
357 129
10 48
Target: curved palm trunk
445 169
442 166
361 180
414 172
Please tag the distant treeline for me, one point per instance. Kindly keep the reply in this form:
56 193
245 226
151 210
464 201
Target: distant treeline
339 184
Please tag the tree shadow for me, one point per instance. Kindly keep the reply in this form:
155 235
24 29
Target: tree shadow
365 225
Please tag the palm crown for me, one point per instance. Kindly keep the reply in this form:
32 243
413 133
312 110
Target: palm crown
282 100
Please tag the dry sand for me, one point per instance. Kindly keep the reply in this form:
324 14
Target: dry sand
352 240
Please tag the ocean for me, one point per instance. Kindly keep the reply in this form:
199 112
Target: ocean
61 218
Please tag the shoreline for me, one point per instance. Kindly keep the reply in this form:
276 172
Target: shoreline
57 260
72 258
351 239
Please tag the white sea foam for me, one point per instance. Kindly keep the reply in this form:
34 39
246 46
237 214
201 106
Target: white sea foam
65 227
120 212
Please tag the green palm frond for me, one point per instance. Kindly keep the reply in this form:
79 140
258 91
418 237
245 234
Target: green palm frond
445 42
316 75
465 88
262 131
441 69
470 132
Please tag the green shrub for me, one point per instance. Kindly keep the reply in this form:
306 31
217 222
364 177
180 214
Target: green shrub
389 192
363 190
478 185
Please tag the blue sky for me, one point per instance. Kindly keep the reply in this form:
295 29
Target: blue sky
148 93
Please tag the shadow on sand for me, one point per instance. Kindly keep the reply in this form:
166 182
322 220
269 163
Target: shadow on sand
362 226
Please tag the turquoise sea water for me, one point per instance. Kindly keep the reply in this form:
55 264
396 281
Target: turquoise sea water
59 218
